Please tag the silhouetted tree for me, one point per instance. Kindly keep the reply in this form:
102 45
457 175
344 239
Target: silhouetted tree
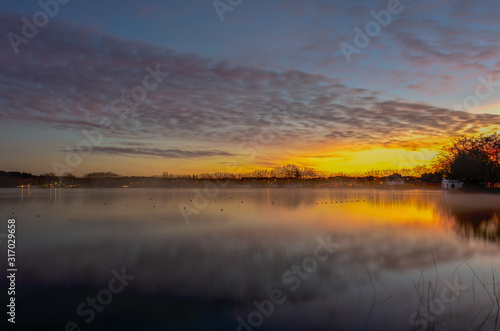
471 158
308 173
48 174
101 175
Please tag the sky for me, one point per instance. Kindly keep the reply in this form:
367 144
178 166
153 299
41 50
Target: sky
146 87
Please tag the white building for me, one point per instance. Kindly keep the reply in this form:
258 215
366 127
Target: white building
452 184
395 182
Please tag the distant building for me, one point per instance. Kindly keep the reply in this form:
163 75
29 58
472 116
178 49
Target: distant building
394 179
452 184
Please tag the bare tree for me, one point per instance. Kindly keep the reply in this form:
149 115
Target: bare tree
471 158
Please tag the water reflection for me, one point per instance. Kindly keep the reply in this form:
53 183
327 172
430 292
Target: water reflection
484 224
238 246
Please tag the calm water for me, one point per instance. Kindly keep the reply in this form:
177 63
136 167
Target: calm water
400 259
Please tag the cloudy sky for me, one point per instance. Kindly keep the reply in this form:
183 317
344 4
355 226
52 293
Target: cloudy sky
142 87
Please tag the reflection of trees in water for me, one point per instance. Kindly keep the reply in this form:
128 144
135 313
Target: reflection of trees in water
291 198
287 198
484 224
473 215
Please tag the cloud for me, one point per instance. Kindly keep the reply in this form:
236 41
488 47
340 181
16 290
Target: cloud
166 153
68 77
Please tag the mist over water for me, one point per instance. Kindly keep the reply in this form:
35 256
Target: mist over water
390 245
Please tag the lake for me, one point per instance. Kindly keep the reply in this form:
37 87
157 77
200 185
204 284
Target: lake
254 259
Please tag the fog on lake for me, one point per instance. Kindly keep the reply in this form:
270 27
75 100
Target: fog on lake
311 259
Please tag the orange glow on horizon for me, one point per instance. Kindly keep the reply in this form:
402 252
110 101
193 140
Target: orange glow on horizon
350 159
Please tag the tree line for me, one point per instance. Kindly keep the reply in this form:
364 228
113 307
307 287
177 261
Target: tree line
471 159
475 158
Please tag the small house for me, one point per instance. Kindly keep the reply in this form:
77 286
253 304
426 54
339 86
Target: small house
452 184
394 179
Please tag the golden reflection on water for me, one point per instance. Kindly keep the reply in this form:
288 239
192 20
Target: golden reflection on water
238 245
467 214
